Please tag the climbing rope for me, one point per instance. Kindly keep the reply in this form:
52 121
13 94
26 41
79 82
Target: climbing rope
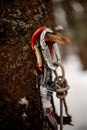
60 82
61 87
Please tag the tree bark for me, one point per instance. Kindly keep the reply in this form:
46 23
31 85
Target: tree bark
19 19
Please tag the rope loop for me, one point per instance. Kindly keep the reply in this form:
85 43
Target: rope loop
61 85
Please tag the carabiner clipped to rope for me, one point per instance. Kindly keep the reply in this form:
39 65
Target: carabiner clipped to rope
52 55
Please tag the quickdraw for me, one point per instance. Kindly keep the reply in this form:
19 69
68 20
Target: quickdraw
50 53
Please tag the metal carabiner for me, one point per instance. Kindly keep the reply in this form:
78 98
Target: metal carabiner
35 48
34 36
49 58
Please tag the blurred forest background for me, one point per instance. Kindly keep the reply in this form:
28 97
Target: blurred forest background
72 15
18 20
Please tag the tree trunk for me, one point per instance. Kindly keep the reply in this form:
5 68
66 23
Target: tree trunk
18 20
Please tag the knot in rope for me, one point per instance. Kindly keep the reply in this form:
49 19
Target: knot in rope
61 85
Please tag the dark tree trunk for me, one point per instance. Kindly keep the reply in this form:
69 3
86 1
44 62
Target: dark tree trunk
18 20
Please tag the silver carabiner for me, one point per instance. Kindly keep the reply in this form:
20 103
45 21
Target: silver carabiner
46 52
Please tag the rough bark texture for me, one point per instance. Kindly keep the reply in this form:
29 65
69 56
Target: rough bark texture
18 20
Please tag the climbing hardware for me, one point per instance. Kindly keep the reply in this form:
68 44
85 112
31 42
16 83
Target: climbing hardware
47 76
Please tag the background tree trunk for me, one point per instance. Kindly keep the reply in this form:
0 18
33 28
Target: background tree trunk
18 20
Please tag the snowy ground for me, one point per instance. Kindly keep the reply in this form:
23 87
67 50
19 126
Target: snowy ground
76 98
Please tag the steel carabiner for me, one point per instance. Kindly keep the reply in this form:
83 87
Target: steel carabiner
48 57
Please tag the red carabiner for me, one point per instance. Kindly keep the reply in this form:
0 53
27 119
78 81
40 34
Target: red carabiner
33 42
34 37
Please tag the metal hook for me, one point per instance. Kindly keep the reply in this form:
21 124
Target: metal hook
35 48
46 52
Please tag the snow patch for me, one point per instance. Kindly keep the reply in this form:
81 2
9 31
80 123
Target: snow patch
24 101
77 94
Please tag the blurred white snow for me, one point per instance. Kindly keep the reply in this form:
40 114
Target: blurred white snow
77 94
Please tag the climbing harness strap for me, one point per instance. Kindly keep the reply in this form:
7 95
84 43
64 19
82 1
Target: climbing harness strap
47 86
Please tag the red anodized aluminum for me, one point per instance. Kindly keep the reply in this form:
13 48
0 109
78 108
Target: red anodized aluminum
33 42
34 37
